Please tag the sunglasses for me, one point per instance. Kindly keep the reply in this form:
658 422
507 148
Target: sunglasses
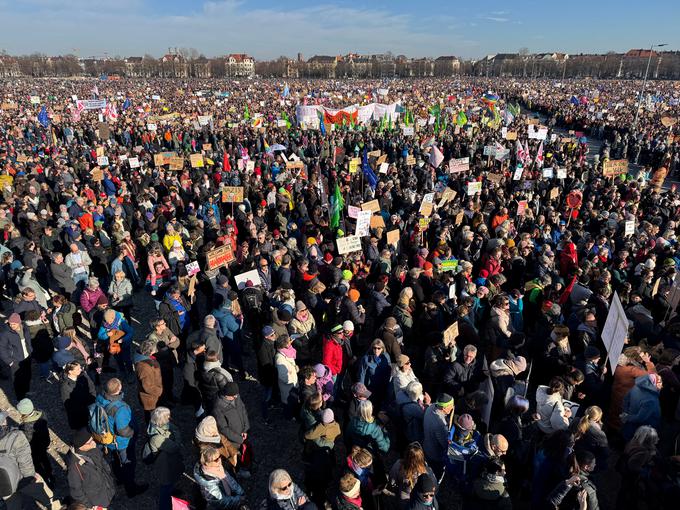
428 495
285 487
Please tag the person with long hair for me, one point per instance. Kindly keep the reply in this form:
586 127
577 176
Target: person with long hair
589 436
405 472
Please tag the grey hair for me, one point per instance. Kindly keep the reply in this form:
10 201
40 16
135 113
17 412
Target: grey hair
414 390
93 281
646 437
160 416
469 348
276 478
209 319
147 348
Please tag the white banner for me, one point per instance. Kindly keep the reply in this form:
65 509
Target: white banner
91 104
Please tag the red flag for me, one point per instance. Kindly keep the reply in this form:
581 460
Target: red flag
225 163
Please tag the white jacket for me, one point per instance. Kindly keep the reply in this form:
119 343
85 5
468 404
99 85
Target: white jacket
287 372
551 410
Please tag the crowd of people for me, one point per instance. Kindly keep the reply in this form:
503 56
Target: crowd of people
193 237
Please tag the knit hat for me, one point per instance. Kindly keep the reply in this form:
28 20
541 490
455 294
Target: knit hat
466 422
353 492
25 406
347 275
284 315
592 353
102 300
425 484
327 416
230 390
353 294
300 306
206 431
267 330
15 318
348 326
81 437
445 400
320 369
427 266
337 328
360 390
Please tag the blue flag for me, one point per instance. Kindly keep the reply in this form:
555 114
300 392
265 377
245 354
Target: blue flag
368 171
322 125
127 103
286 91
42 117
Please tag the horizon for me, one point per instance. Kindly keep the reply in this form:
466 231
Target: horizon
95 28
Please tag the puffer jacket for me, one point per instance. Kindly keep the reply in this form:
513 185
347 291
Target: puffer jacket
641 407
211 379
291 503
551 411
367 435
214 492
90 480
624 380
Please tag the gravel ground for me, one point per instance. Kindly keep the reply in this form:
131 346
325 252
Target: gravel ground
275 446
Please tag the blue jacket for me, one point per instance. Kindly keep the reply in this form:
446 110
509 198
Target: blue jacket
375 372
641 404
366 434
122 421
119 322
228 323
214 493
435 435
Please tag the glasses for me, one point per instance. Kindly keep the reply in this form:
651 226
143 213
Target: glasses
428 495
377 348
285 487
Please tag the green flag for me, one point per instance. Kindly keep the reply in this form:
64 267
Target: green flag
337 204
461 119
246 113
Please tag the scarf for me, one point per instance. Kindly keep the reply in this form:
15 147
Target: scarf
289 352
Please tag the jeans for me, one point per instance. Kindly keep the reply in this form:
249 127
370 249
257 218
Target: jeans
266 400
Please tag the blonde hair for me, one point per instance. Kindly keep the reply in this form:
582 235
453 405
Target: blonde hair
365 409
591 415
209 454
405 296
361 456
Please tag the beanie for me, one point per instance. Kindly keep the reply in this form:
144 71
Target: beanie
81 437
25 406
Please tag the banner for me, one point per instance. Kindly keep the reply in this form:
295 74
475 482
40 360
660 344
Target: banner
91 104
459 165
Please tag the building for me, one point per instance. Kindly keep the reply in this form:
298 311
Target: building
322 66
200 68
239 65
174 65
134 67
446 66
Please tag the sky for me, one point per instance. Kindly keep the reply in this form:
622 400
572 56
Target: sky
267 29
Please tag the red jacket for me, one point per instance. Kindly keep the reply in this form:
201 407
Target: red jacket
332 355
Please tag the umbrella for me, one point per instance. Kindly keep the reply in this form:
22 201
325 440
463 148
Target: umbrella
276 147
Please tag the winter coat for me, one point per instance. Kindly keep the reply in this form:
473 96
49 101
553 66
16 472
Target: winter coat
411 414
77 396
367 435
462 377
642 407
286 370
232 419
34 427
558 496
375 372
88 298
211 379
64 317
214 492
90 480
489 493
290 503
333 356
595 441
167 312
62 275
165 444
266 369
551 411
499 329
123 290
11 351
150 383
13 443
121 420
228 323
624 380
207 336
435 435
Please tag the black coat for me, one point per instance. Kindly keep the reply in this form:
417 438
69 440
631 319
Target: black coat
77 396
210 382
232 419
90 480
168 313
10 345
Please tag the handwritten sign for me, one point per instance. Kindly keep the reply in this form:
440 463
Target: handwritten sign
363 223
554 193
374 154
518 173
447 195
511 135
348 244
133 162
451 333
382 159
393 237
410 160
353 211
377 221
97 174
459 165
383 168
354 165
495 178
459 218
474 187
196 160
103 161
192 268
629 228
175 162
220 256
407 131
373 206
548 173
561 173
232 194
489 150
614 167
158 159
522 207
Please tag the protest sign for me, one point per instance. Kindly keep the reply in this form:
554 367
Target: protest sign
97 174
100 151
9 106
158 160
363 223
383 168
518 173
103 161
377 221
151 127
393 237
614 167
192 268
35 99
615 331
426 208
104 131
447 195
207 147
502 154
474 187
133 162
449 265
410 160
196 160
353 211
373 205
489 150
243 279
232 194
459 218
561 173
407 131
295 165
548 173
629 228
354 165
459 165
348 244
495 178
175 162
374 154
511 135
521 207
423 223
554 193
382 159
451 333
220 256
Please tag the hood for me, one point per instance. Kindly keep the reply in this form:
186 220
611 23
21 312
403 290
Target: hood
542 396
644 382
155 430
33 417
140 357
209 365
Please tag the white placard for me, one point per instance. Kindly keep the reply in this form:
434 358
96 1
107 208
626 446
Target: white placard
548 173
103 160
348 244
151 127
242 279
383 168
353 211
192 268
281 123
561 173
518 173
133 162
459 165
407 131
428 198
474 187
363 223
615 331
629 228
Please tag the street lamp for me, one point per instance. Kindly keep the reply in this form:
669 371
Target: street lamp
644 81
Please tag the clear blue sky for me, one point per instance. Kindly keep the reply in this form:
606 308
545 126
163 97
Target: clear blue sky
267 29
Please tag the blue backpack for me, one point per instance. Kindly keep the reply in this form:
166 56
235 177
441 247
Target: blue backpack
101 418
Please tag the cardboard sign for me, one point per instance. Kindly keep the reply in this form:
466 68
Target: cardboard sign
511 135
451 333
196 160
100 151
158 159
459 165
382 159
354 165
423 223
554 193
426 208
232 194
175 162
21 158
192 287
474 187
348 244
374 154
407 131
459 218
243 278
393 237
103 161
133 162
295 165
495 178
410 160
353 211
220 257
377 221
447 195
373 205
614 167
97 174
9 106
363 223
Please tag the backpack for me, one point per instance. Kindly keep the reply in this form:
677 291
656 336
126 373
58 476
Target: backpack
9 474
100 424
